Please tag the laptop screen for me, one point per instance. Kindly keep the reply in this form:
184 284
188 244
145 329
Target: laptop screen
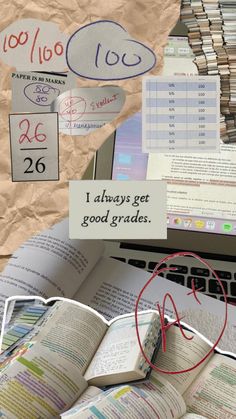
195 182
196 203
129 161
208 225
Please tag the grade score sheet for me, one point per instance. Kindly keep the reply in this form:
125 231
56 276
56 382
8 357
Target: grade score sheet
181 113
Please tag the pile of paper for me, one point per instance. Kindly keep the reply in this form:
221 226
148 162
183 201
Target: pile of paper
212 36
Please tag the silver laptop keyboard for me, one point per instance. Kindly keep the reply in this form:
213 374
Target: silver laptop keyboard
186 272
202 278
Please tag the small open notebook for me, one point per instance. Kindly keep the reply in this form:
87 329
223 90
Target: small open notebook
207 392
74 347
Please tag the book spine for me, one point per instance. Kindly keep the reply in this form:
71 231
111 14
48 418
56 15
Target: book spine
149 344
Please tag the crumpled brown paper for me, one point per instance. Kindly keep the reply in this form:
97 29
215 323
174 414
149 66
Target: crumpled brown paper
27 208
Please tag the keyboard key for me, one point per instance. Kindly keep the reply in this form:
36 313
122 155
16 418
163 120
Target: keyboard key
117 258
215 287
212 296
198 283
200 271
224 274
179 279
181 269
161 274
233 288
152 265
138 263
230 300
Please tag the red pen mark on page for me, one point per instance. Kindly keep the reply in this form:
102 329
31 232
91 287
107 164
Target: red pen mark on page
33 45
8 40
25 124
72 108
38 52
194 291
147 402
165 327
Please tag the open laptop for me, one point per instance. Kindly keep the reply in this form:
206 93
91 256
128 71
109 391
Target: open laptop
211 237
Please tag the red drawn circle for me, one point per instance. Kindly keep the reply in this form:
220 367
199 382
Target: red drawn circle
72 108
155 273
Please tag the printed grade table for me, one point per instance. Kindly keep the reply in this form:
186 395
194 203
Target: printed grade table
181 114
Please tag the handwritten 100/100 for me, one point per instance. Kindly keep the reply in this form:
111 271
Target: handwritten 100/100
45 54
39 165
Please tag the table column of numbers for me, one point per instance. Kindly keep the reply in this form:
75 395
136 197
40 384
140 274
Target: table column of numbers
201 114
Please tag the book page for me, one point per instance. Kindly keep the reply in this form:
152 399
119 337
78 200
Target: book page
38 385
49 264
90 393
213 393
156 398
193 416
73 332
181 354
119 351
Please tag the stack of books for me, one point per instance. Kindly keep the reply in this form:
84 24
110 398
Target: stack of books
212 36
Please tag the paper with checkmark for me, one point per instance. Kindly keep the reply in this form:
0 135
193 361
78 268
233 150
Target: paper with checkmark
83 110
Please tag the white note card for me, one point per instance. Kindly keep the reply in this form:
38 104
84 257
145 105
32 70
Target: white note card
181 114
34 147
33 45
104 50
35 92
117 209
85 109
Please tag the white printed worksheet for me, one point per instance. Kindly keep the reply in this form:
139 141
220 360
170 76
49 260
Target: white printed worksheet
181 114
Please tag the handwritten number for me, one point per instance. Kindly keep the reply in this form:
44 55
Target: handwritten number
4 44
37 136
42 89
45 54
131 64
113 58
116 57
58 48
40 99
25 135
11 45
21 39
97 54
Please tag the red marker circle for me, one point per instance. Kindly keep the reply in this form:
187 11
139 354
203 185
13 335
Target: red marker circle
72 108
155 273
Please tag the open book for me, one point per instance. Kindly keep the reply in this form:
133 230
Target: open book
52 265
72 348
208 391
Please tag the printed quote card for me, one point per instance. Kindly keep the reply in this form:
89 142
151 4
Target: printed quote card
117 209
